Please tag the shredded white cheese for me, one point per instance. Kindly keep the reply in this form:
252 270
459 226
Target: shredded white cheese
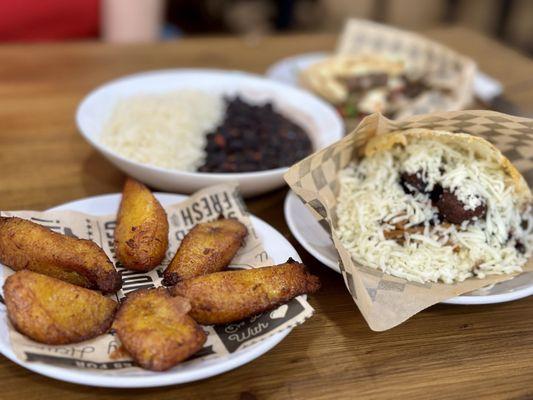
371 201
166 130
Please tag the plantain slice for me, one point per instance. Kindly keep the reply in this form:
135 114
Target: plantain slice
51 311
155 329
27 245
230 296
208 247
141 234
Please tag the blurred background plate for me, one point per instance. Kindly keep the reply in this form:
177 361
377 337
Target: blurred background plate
316 241
486 89
320 120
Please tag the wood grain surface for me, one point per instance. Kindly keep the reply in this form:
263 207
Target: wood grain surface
444 352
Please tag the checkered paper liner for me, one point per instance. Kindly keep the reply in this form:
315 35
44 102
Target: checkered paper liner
441 66
384 300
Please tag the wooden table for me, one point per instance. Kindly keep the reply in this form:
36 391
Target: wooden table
444 352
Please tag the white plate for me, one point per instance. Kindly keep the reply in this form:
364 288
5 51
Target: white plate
288 69
316 241
275 244
318 118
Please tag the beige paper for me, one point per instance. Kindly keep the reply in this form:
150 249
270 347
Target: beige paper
205 205
384 300
441 66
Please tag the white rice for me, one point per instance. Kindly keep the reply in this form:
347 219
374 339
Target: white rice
371 201
165 130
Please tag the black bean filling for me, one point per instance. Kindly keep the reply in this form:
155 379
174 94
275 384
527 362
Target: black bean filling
413 183
520 247
451 209
254 138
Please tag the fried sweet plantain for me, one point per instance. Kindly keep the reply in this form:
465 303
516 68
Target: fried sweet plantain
230 296
155 329
208 247
51 311
27 245
141 234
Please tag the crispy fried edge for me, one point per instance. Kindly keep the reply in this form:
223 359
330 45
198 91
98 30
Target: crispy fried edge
167 362
106 281
129 245
13 283
310 283
171 276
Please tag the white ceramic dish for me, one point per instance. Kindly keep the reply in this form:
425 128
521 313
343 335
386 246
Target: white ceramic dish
317 117
275 244
288 69
316 241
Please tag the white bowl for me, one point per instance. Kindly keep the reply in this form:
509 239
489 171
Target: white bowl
318 118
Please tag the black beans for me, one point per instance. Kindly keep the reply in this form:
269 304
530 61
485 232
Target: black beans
435 193
412 183
520 247
453 210
254 138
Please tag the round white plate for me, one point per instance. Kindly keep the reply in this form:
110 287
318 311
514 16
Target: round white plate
288 69
316 241
276 246
319 119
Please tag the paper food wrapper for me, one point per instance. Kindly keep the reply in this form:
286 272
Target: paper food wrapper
206 205
441 66
384 300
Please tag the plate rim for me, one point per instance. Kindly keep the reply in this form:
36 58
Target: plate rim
271 70
291 198
154 379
